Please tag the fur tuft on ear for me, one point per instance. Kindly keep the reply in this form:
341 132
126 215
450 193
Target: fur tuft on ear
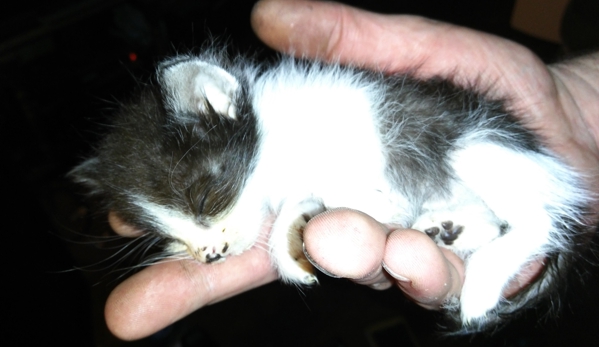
193 85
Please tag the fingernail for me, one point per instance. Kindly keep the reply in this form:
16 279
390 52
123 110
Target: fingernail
394 275
316 264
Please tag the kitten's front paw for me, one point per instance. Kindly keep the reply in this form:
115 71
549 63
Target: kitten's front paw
287 245
205 254
296 267
211 254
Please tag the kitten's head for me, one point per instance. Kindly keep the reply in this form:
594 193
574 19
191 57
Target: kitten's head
177 158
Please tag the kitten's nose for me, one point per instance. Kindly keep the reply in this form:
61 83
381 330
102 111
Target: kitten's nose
213 257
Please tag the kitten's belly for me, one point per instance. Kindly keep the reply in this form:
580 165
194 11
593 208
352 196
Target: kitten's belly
328 149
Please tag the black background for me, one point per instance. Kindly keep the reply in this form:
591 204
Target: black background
63 66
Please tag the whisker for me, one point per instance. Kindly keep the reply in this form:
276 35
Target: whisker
124 251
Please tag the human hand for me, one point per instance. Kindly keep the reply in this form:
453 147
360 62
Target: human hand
557 101
164 293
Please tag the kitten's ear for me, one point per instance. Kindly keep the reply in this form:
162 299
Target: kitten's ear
196 86
86 173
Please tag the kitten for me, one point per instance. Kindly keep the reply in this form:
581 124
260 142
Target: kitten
219 144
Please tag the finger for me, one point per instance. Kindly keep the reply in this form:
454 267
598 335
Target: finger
349 244
403 43
413 45
426 273
120 227
525 277
162 294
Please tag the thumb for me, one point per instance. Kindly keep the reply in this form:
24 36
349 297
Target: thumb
349 244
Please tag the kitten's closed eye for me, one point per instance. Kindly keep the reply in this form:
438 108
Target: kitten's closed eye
204 157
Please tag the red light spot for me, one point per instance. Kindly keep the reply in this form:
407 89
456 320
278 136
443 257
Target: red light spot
132 56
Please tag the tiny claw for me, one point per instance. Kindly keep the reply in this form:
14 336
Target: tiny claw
432 231
447 225
211 258
310 279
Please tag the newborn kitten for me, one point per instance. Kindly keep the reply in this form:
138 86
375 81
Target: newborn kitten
219 144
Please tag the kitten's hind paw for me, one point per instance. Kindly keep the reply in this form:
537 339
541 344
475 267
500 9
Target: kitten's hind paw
447 235
463 229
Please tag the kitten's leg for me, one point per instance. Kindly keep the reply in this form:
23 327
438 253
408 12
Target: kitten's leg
286 242
490 268
532 193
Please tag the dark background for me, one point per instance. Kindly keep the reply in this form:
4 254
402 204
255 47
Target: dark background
64 64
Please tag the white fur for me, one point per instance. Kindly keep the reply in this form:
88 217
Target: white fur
296 114
522 203
465 209
200 242
301 167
